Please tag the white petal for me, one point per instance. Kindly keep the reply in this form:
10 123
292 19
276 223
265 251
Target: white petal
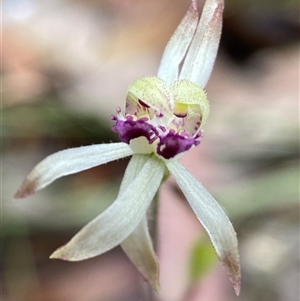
116 223
202 53
138 245
134 167
213 219
70 161
178 45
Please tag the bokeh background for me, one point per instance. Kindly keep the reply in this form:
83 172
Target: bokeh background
66 67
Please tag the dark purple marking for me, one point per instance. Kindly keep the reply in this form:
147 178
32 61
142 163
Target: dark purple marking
173 144
180 115
129 129
170 143
143 104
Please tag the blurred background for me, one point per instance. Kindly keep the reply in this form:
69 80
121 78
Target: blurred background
66 67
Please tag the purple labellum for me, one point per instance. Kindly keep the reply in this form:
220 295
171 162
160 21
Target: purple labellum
129 129
173 144
170 142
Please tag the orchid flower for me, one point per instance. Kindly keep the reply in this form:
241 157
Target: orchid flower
163 120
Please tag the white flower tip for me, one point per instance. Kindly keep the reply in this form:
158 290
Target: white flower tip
27 188
157 288
153 280
58 254
194 4
232 264
218 14
71 252
150 273
64 253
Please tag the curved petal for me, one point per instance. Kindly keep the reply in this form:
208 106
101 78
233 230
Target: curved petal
138 245
213 219
68 162
202 53
116 223
178 45
134 167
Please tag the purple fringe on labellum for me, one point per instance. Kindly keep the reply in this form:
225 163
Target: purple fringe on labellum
170 143
129 129
173 143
